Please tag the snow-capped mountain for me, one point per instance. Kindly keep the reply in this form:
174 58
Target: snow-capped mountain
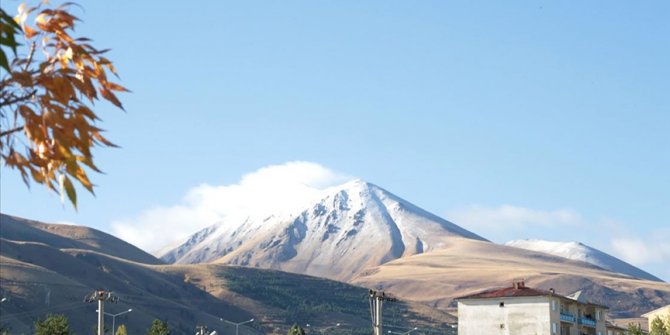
582 252
349 228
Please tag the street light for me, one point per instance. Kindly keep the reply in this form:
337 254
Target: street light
114 318
237 325
324 330
405 333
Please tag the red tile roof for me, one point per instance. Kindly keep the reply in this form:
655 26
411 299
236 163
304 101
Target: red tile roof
520 291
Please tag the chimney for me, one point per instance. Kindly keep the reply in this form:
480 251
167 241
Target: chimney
518 285
552 290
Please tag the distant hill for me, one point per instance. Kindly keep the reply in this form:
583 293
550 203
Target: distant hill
41 274
467 266
584 253
71 237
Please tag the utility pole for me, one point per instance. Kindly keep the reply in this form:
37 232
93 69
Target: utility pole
236 324
377 299
202 330
101 296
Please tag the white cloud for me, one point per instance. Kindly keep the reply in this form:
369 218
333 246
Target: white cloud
492 221
651 249
269 190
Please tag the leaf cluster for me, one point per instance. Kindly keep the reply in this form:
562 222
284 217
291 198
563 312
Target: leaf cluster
121 330
659 326
48 127
159 327
296 330
53 324
634 329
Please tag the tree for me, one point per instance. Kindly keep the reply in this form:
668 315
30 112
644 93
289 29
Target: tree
296 330
47 126
53 324
634 329
121 330
658 327
159 327
94 329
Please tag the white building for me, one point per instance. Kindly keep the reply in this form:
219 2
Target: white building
663 313
521 310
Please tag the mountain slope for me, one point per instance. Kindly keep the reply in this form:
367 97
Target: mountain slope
466 266
72 237
38 277
585 253
352 227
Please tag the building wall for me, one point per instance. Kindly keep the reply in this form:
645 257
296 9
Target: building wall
663 313
518 316
601 327
526 316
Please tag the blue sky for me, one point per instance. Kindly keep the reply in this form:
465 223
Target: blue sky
514 119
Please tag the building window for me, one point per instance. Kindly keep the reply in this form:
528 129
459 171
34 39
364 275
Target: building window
502 304
553 327
609 332
553 305
598 316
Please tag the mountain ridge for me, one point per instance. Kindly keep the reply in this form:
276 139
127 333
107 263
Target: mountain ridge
330 237
72 237
582 252
47 273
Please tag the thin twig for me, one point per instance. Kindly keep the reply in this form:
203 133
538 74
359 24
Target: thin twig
9 102
11 131
30 56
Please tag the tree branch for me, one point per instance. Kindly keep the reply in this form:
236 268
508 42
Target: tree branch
11 131
9 102
30 56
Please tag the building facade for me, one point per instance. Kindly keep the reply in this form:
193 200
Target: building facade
613 329
663 313
521 310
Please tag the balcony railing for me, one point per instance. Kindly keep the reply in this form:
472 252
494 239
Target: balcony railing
587 322
567 317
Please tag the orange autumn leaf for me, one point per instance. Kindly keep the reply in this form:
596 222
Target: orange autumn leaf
49 91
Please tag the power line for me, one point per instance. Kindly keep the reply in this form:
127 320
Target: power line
101 296
59 308
376 299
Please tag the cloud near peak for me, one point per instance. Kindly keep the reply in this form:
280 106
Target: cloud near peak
505 218
274 189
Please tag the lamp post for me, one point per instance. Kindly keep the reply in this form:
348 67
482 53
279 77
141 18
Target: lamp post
405 333
237 325
114 318
324 330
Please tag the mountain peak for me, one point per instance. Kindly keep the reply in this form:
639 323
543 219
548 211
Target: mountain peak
330 237
356 185
578 251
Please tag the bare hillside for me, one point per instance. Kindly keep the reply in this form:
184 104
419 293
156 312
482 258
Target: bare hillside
71 237
39 278
467 266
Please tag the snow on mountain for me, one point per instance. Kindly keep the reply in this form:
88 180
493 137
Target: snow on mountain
582 252
348 228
